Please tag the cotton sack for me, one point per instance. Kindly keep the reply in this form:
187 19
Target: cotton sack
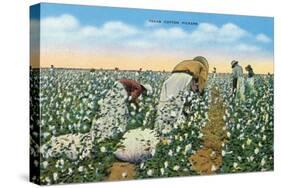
137 145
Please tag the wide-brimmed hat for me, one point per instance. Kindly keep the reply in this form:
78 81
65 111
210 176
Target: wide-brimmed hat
248 67
202 60
233 63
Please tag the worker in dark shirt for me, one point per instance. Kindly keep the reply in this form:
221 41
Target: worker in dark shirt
250 79
250 71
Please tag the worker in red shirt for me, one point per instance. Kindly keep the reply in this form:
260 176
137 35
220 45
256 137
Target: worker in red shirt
135 89
113 111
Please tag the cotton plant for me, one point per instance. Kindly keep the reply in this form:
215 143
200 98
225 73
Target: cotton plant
249 124
65 105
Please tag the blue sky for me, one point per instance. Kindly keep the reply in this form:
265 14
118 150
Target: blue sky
102 29
97 16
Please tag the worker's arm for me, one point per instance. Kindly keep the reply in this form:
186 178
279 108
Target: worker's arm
234 72
202 80
136 93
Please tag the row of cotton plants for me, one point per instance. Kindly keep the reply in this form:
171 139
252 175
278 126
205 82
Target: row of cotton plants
249 124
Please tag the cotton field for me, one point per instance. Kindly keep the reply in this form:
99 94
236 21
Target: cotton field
70 100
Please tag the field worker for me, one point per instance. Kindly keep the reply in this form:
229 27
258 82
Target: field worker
238 87
52 71
135 89
113 114
250 78
214 72
188 75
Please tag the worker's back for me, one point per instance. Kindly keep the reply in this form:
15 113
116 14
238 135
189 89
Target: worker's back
196 68
189 65
237 71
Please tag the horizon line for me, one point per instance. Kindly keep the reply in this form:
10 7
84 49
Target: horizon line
129 70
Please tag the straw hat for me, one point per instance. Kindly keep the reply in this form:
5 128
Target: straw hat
233 63
202 60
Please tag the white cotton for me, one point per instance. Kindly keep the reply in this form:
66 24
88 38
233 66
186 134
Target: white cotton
137 145
162 171
166 164
70 145
81 168
263 162
113 113
249 141
176 168
214 168
124 174
55 176
103 149
150 172
45 164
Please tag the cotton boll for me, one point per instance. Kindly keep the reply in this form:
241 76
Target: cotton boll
103 149
55 176
249 141
214 168
235 165
45 164
178 149
81 169
142 165
48 180
124 174
162 171
150 172
166 164
263 162
176 168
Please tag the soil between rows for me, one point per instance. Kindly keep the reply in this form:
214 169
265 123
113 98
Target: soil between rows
208 159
